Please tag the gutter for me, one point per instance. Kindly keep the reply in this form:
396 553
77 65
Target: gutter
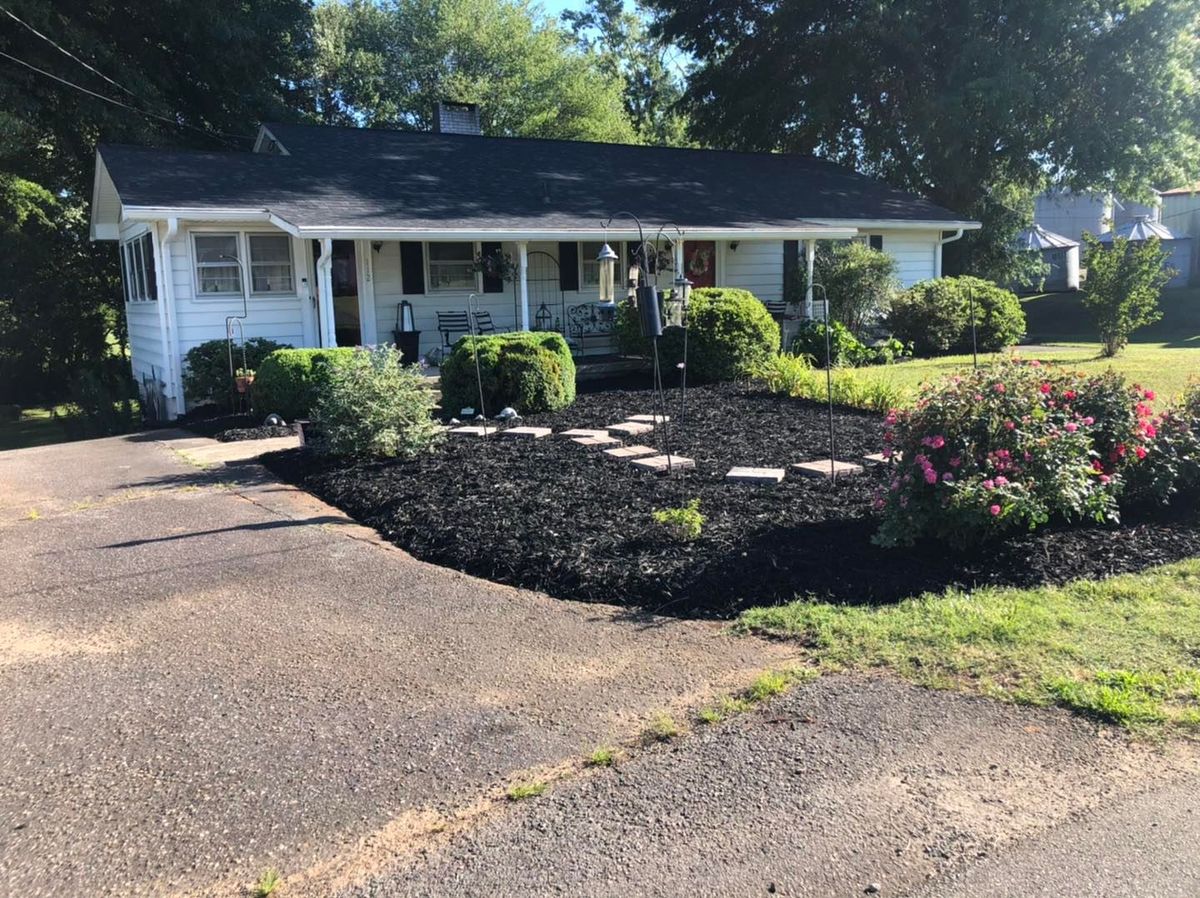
937 251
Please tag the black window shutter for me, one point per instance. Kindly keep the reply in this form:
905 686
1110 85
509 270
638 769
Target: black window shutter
791 270
568 266
877 242
491 284
412 266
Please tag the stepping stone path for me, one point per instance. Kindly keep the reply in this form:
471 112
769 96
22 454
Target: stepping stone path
755 475
878 458
474 431
631 428
596 442
582 432
526 433
650 419
627 452
822 468
658 463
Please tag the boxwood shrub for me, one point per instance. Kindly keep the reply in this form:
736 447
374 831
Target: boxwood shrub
287 380
730 332
206 376
935 316
530 371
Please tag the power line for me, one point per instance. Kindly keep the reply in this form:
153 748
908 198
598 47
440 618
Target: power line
67 52
143 112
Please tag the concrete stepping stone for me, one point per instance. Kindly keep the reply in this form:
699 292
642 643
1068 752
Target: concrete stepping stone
658 463
582 432
877 458
769 476
650 419
474 431
626 452
596 442
631 428
526 433
821 468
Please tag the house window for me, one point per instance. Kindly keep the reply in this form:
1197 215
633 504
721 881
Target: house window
217 272
137 269
452 267
876 242
589 271
270 263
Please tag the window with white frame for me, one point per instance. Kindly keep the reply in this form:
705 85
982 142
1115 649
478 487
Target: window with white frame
589 268
217 271
270 263
137 269
452 266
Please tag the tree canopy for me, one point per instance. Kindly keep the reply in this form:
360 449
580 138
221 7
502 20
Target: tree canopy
974 104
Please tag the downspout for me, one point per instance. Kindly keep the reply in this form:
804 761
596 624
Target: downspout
167 318
937 252
325 294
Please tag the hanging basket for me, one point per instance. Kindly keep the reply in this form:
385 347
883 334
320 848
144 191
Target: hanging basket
243 382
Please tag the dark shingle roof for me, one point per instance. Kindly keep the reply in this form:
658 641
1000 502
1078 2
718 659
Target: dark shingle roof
363 178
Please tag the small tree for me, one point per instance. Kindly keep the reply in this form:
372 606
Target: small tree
860 281
1123 284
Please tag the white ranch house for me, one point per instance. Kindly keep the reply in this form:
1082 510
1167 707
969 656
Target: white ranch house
320 233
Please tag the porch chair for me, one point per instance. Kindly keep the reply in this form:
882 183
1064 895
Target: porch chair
451 323
483 322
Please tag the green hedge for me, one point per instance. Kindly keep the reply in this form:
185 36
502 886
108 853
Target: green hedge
530 371
935 316
729 332
206 376
288 379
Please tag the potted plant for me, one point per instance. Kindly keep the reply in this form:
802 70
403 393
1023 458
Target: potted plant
243 379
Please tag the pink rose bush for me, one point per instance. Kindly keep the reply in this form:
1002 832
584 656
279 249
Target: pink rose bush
1016 444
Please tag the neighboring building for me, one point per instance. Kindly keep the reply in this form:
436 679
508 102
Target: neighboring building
1060 254
1178 248
319 234
1181 213
1071 214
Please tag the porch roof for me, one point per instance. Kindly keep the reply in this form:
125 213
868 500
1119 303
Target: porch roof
370 182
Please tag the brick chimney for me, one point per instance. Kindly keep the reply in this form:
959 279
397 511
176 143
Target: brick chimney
456 118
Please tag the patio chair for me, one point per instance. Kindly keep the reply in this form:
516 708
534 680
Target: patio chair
483 323
451 323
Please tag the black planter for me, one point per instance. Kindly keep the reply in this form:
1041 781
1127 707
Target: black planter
407 342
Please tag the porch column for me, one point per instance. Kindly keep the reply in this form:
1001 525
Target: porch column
523 266
325 294
810 249
679 257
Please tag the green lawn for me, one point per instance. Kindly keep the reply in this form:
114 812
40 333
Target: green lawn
1124 650
1164 356
43 426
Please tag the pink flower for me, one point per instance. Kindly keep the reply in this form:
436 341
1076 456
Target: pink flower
1001 481
947 477
930 476
1069 395
1149 394
1035 363
995 510
888 452
1089 420
979 397
1105 479
999 388
1150 431
1010 425
955 462
879 503
1045 388
1071 426
989 484
1140 451
937 441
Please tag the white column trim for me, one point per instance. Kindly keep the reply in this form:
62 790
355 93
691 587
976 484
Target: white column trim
325 293
810 251
368 330
523 266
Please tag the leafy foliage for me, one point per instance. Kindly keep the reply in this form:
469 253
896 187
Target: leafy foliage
793 375
1011 445
860 282
935 316
843 347
682 524
387 65
950 99
1123 285
206 374
729 332
288 380
532 372
372 404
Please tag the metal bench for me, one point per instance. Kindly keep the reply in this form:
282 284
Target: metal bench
451 323
589 321
483 323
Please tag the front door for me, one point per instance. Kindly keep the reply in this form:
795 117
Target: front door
347 318
700 262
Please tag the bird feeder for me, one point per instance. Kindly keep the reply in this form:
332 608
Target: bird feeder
608 266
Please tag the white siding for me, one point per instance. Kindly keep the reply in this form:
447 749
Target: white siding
145 329
915 253
756 265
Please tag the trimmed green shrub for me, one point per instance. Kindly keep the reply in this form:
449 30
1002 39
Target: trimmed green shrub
935 316
730 332
859 280
1123 284
287 381
371 404
844 347
531 371
206 375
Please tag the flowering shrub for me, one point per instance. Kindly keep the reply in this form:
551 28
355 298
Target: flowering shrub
1172 463
1012 445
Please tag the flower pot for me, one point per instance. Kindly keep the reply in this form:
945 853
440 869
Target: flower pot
243 382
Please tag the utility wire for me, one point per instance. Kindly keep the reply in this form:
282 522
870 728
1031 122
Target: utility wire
67 52
143 112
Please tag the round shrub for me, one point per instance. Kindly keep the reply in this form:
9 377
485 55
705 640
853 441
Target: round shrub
935 316
1011 445
287 381
206 376
371 404
530 371
729 333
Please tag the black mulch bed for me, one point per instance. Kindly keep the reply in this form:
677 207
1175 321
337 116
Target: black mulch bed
554 516
229 428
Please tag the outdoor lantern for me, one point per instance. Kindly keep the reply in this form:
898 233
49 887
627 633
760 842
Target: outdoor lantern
541 321
676 307
608 265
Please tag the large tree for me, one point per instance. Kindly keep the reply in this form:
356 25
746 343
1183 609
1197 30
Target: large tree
388 64
179 73
650 70
973 103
